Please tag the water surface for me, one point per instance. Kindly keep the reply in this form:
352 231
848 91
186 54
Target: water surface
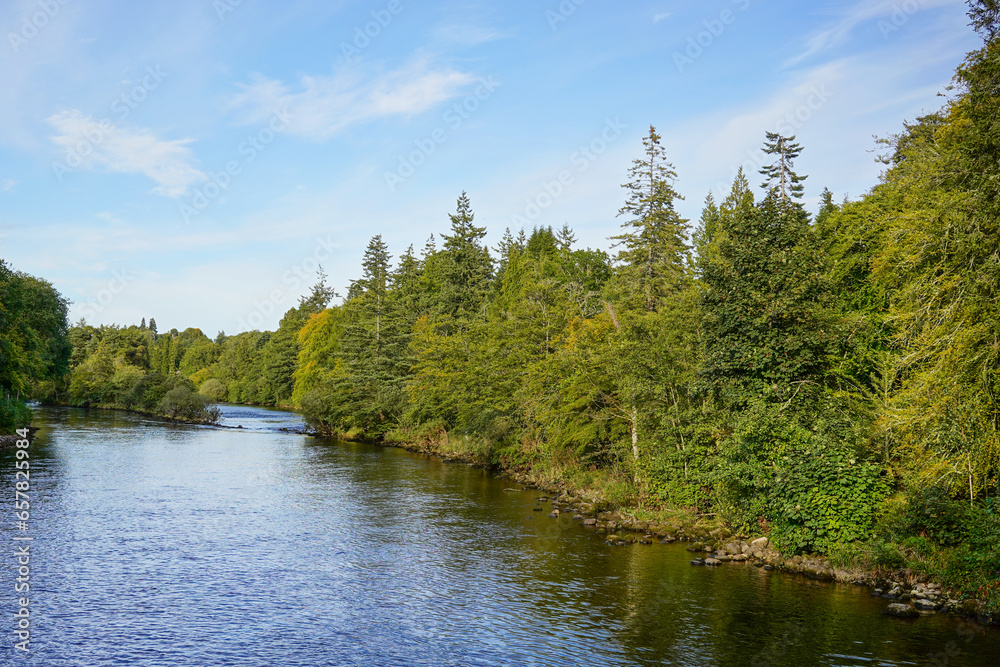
158 544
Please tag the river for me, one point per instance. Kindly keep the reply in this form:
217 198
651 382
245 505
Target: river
159 544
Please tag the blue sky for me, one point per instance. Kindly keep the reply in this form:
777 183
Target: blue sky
194 160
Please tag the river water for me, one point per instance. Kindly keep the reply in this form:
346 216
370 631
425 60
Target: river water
158 544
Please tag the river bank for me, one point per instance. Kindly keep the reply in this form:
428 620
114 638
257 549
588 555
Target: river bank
712 544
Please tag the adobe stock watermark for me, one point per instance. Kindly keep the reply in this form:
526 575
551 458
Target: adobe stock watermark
901 13
426 147
248 150
372 30
701 42
581 161
293 280
967 631
562 13
33 24
224 7
119 282
121 107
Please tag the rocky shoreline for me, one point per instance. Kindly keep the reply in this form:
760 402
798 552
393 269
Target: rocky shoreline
10 441
717 547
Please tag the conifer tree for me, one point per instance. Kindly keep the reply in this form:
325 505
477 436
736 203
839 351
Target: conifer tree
782 181
704 235
567 239
467 269
740 200
654 251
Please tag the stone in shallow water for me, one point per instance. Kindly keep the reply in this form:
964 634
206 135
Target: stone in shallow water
713 561
697 561
901 611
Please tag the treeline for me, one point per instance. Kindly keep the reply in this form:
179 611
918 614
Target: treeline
833 380
33 342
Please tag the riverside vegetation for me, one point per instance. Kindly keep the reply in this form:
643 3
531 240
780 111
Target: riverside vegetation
831 382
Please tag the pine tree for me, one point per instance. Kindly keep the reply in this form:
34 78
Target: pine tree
782 181
319 296
740 200
566 238
705 234
655 254
467 268
142 325
826 207
152 327
985 15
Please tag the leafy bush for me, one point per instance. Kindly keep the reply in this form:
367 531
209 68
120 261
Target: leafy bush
747 467
214 390
933 513
182 403
14 414
824 496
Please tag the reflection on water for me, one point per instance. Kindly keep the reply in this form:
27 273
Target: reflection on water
159 544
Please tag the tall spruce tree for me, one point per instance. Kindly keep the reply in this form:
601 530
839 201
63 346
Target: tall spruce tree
467 269
654 254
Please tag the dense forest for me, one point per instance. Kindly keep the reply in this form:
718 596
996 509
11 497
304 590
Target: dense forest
832 380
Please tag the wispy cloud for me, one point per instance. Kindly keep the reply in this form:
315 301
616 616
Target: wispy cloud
126 151
8 185
661 17
467 35
864 11
323 106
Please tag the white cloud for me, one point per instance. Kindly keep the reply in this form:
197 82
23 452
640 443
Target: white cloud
95 144
321 107
8 185
661 17
895 10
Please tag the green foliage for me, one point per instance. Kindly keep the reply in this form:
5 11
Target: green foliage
34 344
14 414
932 513
182 402
213 390
823 496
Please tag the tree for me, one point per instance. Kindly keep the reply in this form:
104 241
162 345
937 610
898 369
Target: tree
467 269
705 234
985 15
782 181
764 326
654 256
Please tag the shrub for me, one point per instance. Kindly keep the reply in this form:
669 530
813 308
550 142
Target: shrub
14 414
214 390
933 513
182 403
823 496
